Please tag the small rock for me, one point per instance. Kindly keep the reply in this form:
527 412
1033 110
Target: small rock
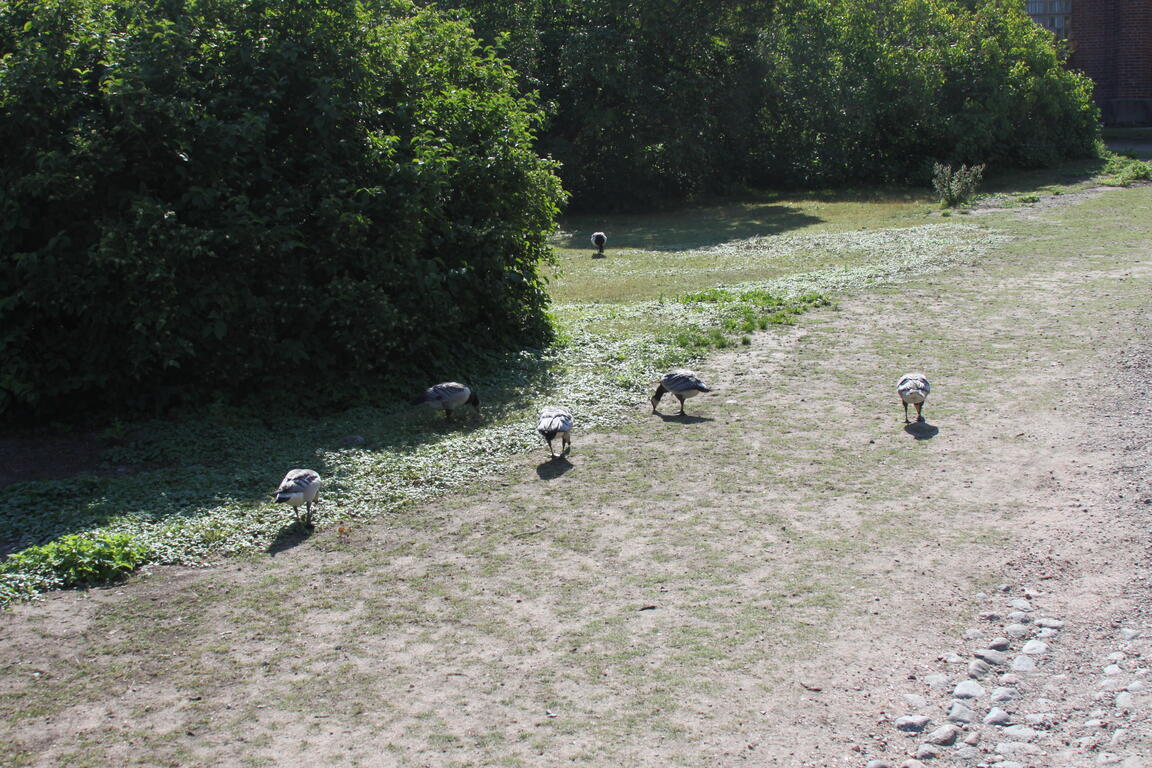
915 701
1017 749
1009 679
944 735
1040 719
912 764
1021 733
978 668
969 689
966 753
912 723
1050 623
1020 617
954 658
973 634
960 712
1016 630
1136 686
1035 647
1023 664
1000 644
927 752
997 716
878 764
937 681
1117 656
1003 693
1022 604
990 616
1125 701
992 656
1129 634
1112 669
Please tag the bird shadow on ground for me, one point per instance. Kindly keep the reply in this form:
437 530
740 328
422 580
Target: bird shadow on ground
679 418
921 430
289 536
554 468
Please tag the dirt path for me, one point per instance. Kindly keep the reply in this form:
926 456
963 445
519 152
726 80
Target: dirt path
773 580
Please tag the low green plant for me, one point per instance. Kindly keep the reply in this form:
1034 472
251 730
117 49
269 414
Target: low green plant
956 186
1122 170
1028 199
73 560
743 312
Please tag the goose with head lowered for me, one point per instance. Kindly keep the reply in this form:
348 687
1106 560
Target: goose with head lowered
598 240
448 396
913 388
681 383
556 420
299 486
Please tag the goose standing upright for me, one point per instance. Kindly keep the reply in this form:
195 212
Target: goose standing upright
448 396
598 240
555 420
299 486
913 388
681 383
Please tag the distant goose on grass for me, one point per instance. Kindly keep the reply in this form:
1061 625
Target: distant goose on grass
448 396
681 383
913 388
299 486
598 240
555 420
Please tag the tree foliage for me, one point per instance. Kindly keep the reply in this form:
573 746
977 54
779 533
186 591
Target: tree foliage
224 196
661 99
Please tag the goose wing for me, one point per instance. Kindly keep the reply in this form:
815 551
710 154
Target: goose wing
554 419
913 382
683 380
299 483
451 393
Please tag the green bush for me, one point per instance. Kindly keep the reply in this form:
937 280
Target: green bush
655 100
209 200
73 560
956 186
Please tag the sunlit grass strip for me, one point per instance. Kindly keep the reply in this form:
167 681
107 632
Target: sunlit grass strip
217 501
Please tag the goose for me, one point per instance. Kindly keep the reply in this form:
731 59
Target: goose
598 240
447 396
913 388
681 383
556 420
299 486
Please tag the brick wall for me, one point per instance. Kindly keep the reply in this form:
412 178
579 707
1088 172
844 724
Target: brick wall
1112 44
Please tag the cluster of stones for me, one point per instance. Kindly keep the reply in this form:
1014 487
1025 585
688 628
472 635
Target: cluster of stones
1012 709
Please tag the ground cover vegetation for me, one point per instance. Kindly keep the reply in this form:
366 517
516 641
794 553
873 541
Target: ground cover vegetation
659 100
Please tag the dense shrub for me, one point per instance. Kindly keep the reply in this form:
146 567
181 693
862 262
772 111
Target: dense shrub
216 198
654 100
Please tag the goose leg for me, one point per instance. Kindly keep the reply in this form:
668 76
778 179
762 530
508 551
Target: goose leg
918 416
906 413
565 443
681 399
